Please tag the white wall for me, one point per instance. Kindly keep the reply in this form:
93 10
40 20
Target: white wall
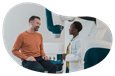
3 12
111 25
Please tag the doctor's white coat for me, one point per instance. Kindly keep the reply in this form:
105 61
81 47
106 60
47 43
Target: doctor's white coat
76 56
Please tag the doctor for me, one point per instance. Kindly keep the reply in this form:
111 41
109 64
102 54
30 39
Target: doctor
75 50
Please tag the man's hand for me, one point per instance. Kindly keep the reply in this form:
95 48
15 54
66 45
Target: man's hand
31 58
63 56
45 57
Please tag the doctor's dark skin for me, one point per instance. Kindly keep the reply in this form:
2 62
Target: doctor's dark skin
74 32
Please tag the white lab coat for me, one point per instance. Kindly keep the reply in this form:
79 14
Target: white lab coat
76 56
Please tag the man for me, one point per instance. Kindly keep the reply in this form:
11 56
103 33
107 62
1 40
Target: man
75 50
30 43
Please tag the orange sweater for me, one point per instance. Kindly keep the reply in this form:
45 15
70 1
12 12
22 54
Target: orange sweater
30 44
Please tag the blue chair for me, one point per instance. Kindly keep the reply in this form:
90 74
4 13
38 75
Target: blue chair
99 60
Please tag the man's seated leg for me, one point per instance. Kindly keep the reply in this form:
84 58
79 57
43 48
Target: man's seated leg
33 65
48 65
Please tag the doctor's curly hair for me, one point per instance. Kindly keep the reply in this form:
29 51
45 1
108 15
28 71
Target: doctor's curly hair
77 25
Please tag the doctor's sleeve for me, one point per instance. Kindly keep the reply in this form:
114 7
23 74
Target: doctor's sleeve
77 55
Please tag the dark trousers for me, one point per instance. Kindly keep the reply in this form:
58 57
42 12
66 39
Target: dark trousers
40 65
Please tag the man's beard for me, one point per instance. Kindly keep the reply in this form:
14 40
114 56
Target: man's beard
36 28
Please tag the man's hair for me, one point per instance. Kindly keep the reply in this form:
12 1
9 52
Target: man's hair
77 25
33 17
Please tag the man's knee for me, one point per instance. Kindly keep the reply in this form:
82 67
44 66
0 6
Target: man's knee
53 67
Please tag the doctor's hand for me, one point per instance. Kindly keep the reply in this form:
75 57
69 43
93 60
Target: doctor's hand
63 56
45 57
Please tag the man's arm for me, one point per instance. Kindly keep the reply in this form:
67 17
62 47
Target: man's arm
42 50
17 45
41 47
